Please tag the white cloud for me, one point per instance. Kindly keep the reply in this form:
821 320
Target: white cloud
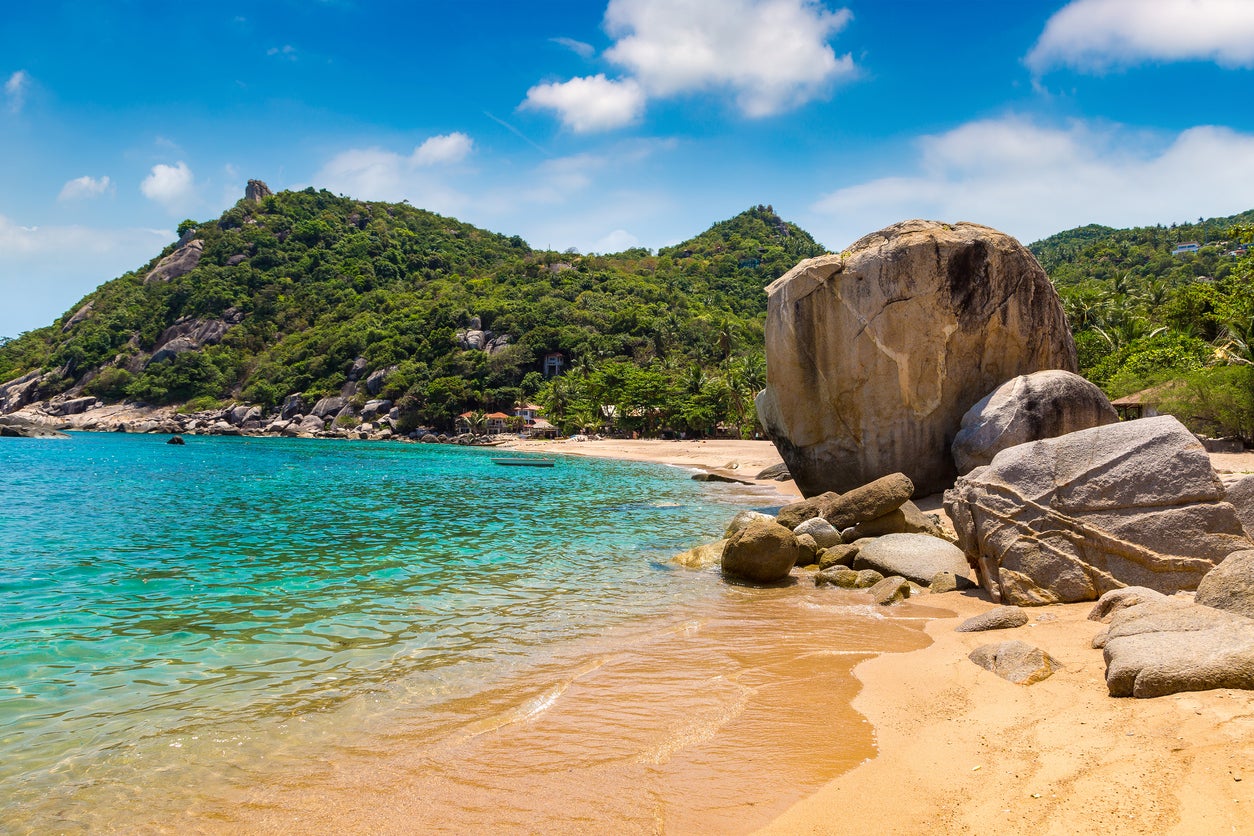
379 174
583 50
615 242
1032 181
46 269
589 104
773 55
84 187
286 51
173 186
15 90
1095 35
443 149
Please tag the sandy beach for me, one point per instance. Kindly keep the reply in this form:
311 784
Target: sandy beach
963 751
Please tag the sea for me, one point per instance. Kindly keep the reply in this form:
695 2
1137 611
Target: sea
260 635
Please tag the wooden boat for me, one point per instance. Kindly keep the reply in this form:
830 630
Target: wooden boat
523 462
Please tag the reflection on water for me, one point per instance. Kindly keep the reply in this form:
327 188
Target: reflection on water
245 635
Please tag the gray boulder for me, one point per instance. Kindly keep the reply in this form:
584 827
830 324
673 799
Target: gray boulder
868 502
293 405
761 552
1230 585
310 424
1069 518
19 391
1241 495
823 532
916 557
12 426
1016 662
777 472
874 355
1028 408
328 406
794 514
1168 646
907 519
998 618
180 262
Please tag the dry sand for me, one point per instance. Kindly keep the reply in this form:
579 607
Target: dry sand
963 751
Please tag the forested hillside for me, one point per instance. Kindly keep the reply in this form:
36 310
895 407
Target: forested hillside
284 294
1143 316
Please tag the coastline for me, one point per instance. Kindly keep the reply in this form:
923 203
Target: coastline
967 752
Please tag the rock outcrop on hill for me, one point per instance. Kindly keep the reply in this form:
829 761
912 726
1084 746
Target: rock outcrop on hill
1069 518
178 263
874 355
1028 408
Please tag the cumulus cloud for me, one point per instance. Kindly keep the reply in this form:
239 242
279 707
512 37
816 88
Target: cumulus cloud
46 269
773 55
1095 35
615 242
15 90
84 187
589 104
1032 181
379 174
443 149
173 186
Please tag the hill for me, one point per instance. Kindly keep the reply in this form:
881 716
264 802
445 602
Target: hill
315 295
1147 307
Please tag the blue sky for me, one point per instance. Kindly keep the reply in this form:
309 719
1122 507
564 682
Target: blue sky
603 125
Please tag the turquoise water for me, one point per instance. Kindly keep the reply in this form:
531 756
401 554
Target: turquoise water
152 595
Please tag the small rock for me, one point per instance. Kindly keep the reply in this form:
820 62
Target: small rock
761 552
943 582
1117 599
821 530
890 591
841 555
176 439
807 550
998 618
1016 661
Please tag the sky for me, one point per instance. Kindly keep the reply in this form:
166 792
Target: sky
608 124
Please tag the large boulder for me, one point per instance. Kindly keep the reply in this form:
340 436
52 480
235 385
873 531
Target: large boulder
1069 518
874 355
1028 408
916 557
188 335
1230 585
180 262
1167 646
761 552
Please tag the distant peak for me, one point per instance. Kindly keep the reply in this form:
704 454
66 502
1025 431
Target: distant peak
256 190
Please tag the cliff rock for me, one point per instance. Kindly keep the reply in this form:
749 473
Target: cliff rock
874 355
178 263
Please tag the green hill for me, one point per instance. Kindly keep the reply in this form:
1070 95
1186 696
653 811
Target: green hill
1143 312
297 292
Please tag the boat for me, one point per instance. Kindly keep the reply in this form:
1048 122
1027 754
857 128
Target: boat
523 462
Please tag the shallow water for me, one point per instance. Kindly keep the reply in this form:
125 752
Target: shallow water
266 634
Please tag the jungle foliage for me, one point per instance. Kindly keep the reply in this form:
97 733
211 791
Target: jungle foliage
671 340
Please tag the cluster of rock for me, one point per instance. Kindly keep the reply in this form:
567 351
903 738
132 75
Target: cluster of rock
872 538
473 336
356 412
